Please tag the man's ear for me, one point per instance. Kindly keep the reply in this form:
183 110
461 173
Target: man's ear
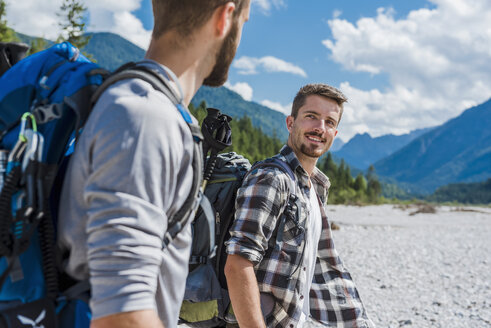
289 122
223 17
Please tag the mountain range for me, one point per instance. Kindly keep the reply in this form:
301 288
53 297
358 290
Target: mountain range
337 145
362 150
457 151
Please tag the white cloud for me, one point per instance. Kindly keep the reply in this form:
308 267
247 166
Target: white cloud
265 6
38 18
131 28
242 88
34 17
115 16
249 65
285 109
436 60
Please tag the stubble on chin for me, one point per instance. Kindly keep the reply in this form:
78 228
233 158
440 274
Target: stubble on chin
312 153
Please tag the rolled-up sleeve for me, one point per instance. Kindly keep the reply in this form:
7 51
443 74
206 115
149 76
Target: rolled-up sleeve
259 203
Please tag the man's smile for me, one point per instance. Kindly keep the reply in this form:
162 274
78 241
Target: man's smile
314 137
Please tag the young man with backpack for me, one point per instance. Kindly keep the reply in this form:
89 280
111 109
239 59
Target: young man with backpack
131 171
283 270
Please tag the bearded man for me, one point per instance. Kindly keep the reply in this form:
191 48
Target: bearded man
132 169
283 270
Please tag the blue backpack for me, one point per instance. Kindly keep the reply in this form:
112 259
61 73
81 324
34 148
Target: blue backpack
45 100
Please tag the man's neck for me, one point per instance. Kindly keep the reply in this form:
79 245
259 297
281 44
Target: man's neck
186 62
308 163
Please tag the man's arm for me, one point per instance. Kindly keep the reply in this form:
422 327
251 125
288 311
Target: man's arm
244 292
136 170
134 319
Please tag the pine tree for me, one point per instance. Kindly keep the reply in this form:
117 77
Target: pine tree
329 166
374 189
73 13
360 183
6 33
348 179
371 173
340 175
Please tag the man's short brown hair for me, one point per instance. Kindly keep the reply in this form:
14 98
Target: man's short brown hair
319 89
185 16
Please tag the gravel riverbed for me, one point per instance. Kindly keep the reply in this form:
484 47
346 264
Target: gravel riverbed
418 270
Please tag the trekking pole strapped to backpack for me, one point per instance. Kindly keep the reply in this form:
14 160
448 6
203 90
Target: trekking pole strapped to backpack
217 135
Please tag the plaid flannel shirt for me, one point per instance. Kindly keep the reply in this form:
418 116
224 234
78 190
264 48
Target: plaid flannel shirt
260 203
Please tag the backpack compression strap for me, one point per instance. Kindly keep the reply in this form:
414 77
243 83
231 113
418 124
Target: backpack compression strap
161 83
293 207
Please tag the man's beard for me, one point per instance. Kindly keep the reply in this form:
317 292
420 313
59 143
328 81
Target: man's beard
312 151
224 57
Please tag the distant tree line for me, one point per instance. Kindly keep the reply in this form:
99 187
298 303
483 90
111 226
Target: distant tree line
348 190
465 193
255 145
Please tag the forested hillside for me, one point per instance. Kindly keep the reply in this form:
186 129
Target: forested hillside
269 121
111 50
247 140
466 193
255 145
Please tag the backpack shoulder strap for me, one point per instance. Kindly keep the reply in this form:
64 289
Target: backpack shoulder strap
293 206
282 166
134 70
161 83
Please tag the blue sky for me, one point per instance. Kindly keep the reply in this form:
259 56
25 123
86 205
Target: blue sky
293 31
403 64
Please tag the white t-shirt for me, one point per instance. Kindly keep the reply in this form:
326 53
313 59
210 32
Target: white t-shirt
313 234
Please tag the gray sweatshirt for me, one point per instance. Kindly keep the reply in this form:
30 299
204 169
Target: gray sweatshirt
130 172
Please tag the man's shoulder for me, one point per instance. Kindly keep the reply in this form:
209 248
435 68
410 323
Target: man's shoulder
320 178
134 100
131 90
140 91
270 174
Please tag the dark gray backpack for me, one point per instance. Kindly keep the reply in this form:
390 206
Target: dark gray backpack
206 301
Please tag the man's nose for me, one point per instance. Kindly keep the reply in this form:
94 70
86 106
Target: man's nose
320 126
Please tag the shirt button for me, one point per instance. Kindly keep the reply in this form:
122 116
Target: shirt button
291 326
301 297
304 269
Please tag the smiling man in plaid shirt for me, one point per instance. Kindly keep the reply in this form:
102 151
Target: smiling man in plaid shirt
293 277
